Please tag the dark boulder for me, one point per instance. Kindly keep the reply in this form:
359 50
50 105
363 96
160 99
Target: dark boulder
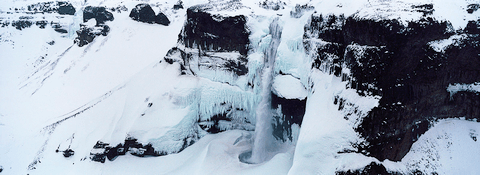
162 19
100 14
41 24
178 5
60 30
68 153
473 27
86 34
65 8
143 13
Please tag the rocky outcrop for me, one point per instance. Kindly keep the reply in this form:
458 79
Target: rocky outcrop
300 10
215 42
102 151
472 8
60 7
399 63
86 34
292 111
212 32
178 5
372 168
272 4
21 24
100 14
145 13
28 18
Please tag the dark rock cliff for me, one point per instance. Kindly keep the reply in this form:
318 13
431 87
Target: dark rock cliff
208 35
398 63
207 31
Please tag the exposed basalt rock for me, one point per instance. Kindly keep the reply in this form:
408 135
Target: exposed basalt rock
66 153
473 27
178 5
62 8
372 168
272 4
41 24
472 8
426 9
193 62
145 13
396 62
205 31
4 23
292 111
86 34
119 9
300 10
162 19
21 24
65 8
58 28
102 151
213 42
100 14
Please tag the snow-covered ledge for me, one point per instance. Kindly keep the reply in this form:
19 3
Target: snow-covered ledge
454 88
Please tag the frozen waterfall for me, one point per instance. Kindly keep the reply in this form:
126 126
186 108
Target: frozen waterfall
263 128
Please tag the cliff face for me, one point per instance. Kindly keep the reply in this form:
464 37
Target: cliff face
400 63
207 31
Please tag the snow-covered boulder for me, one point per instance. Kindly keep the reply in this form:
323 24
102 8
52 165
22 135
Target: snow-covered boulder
145 13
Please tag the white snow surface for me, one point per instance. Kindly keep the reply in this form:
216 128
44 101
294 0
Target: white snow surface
441 45
111 81
289 87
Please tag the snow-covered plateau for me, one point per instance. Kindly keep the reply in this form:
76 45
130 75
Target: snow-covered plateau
239 87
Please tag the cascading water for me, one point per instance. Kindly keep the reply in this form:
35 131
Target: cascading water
75 24
263 128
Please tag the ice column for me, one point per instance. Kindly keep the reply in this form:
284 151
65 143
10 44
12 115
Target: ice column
75 25
263 128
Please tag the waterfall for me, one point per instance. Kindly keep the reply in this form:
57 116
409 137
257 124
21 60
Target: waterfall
263 128
75 24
